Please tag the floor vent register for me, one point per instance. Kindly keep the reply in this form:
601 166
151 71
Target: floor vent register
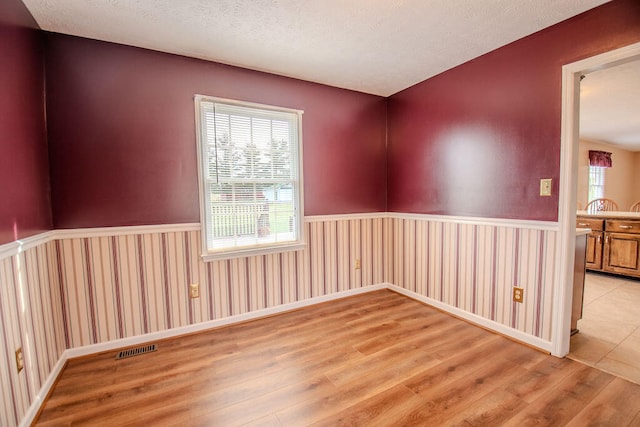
136 351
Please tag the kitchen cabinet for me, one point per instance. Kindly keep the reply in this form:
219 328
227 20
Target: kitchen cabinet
578 280
613 245
622 247
594 241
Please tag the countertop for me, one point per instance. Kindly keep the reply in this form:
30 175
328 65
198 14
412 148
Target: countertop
582 231
610 214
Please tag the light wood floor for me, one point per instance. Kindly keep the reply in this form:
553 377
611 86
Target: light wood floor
374 359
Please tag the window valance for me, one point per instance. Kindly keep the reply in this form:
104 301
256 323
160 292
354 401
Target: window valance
599 158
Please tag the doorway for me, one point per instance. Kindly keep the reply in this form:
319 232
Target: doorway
569 177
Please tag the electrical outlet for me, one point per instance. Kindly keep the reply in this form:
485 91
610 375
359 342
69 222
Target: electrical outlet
19 359
358 264
518 294
194 290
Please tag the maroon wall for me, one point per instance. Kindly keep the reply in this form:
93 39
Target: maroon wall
24 172
122 134
475 140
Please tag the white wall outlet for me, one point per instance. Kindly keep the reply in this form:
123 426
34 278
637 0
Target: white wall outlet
194 290
545 187
518 294
19 359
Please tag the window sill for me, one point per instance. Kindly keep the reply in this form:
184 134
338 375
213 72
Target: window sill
252 251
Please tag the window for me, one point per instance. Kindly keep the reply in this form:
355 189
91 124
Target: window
250 168
596 182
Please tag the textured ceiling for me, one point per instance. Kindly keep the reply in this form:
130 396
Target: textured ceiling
610 106
372 46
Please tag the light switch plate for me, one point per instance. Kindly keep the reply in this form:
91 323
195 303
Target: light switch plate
545 187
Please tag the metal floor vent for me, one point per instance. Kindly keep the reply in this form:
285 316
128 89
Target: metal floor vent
136 351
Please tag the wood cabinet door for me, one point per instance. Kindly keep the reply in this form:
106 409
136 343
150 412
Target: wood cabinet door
594 250
622 253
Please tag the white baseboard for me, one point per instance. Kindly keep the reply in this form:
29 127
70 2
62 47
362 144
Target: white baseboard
154 336
478 320
32 412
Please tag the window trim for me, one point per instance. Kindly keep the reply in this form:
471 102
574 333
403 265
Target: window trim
259 249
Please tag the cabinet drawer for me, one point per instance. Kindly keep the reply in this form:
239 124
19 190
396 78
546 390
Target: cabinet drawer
593 224
621 226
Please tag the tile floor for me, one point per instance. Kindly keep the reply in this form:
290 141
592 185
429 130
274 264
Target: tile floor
609 337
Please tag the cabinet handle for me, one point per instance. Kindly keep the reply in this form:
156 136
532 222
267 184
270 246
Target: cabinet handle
599 239
626 227
583 224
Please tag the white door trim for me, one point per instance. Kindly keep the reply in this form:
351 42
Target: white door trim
568 185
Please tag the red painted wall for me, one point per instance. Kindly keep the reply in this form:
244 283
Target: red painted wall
472 141
24 172
122 134
475 140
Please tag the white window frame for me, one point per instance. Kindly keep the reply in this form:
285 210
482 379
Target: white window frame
234 251
596 183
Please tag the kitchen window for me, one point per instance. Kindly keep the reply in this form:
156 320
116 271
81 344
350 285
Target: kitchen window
250 173
596 182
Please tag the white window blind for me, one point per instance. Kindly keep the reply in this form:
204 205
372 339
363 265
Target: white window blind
596 182
250 177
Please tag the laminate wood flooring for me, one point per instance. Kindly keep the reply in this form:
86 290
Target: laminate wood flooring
376 359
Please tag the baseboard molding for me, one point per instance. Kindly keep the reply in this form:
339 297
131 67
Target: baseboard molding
72 353
198 327
39 399
171 333
477 320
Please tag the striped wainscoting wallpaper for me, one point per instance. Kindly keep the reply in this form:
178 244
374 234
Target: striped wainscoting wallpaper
126 285
30 318
73 288
473 267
